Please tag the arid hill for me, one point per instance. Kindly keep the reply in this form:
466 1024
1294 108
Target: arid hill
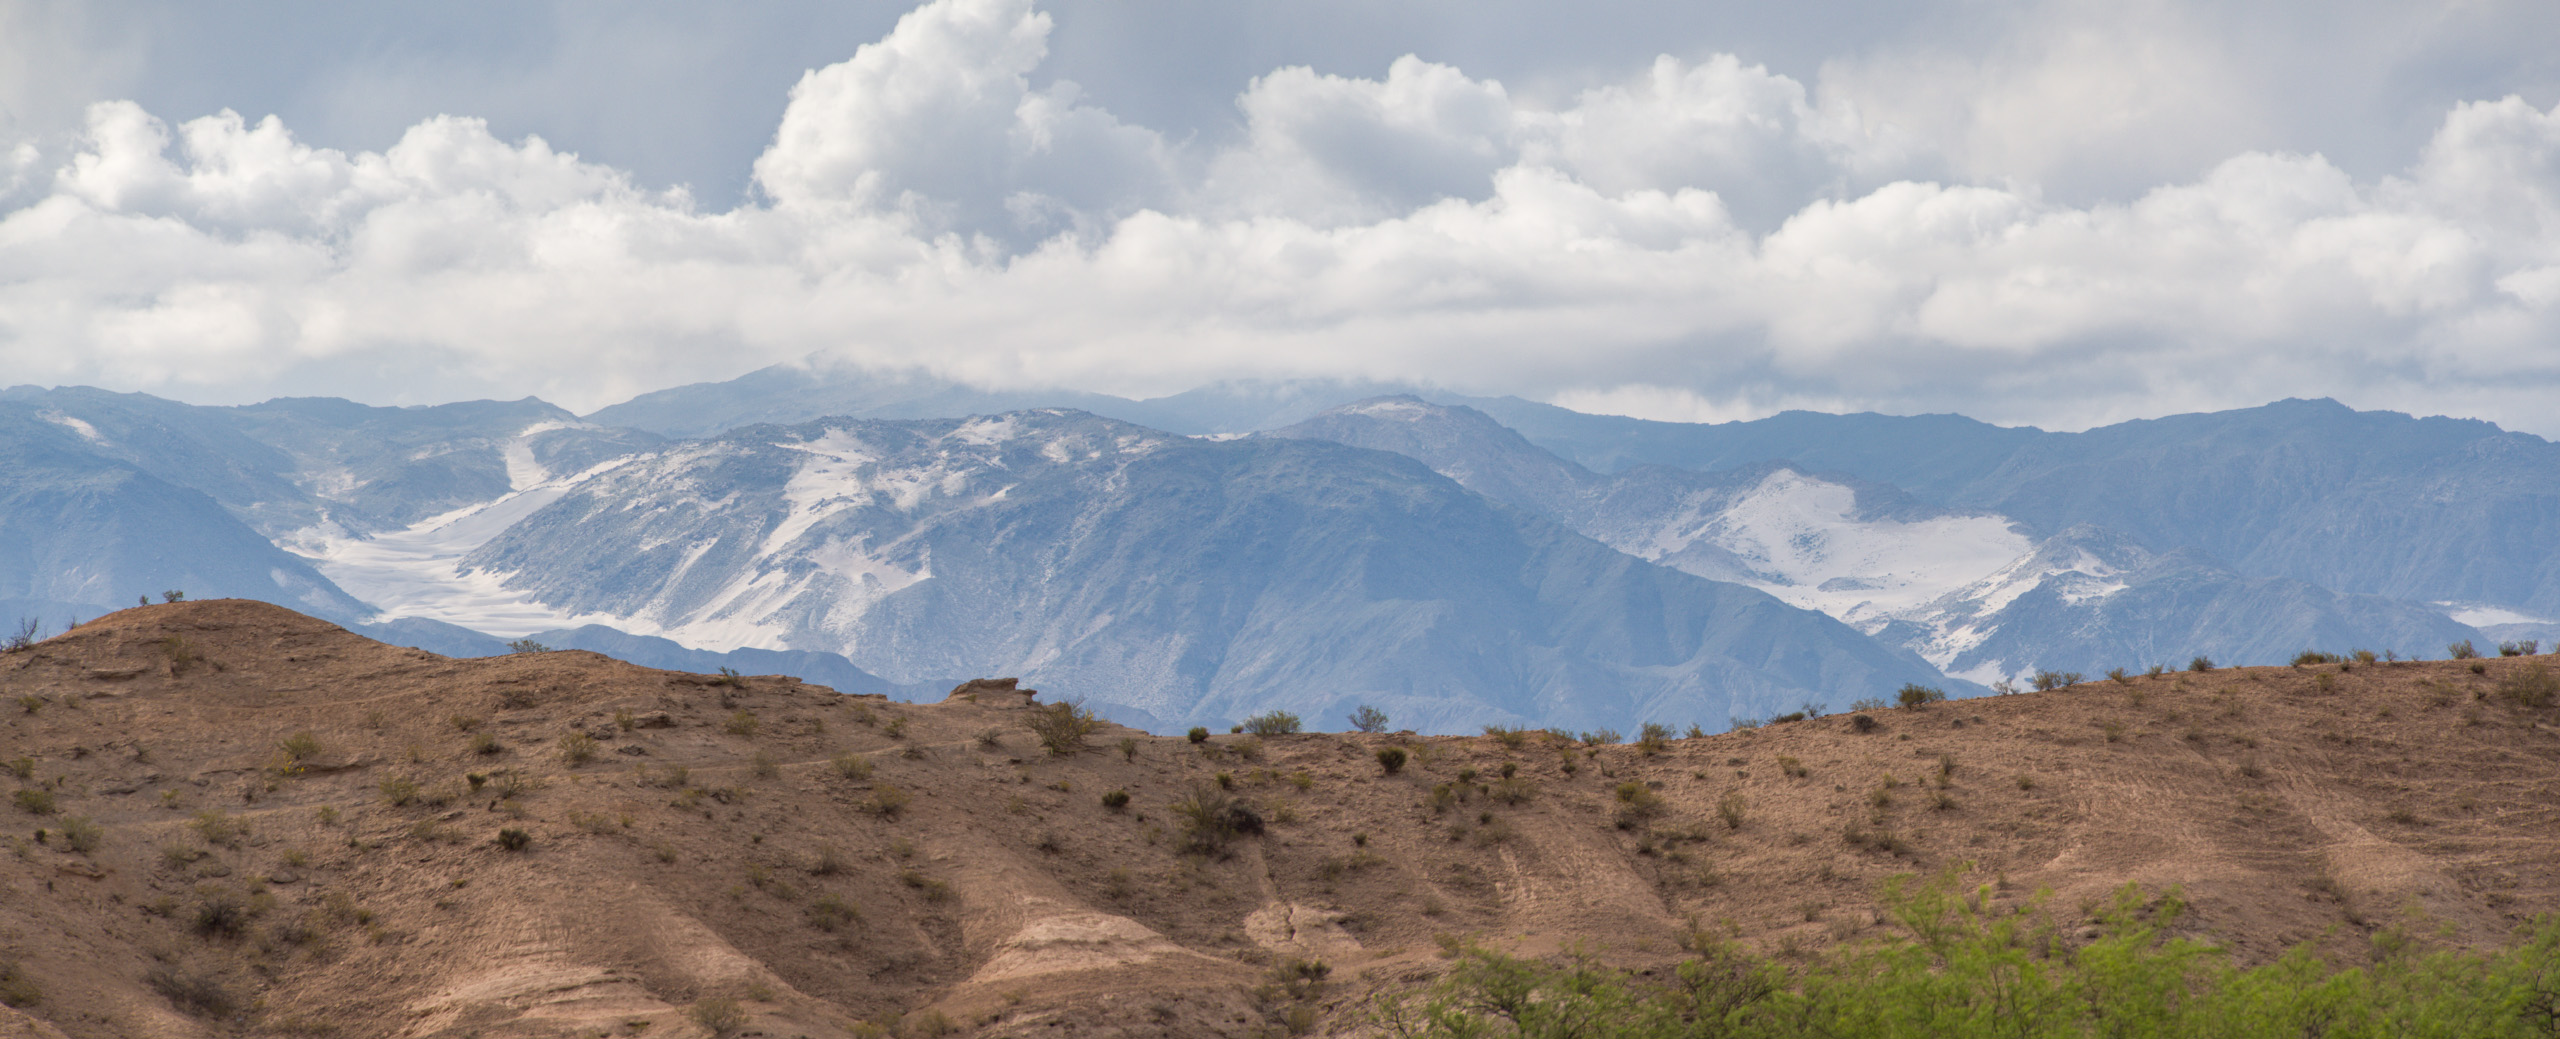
230 819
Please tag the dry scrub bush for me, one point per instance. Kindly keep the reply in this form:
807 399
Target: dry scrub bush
1062 727
2535 686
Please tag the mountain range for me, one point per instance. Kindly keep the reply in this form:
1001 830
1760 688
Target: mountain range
1307 547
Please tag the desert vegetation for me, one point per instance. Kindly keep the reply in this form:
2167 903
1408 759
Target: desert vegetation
241 841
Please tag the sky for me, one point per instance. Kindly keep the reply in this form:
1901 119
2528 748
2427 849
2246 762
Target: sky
2054 213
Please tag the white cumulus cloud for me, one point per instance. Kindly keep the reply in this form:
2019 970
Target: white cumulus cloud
1693 237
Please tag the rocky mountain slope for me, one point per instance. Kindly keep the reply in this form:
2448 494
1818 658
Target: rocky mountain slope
1976 593
2432 510
1174 580
235 820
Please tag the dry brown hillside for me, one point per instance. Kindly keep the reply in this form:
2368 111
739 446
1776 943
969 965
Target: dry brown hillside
232 819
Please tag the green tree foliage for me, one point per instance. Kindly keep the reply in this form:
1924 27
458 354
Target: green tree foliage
1963 967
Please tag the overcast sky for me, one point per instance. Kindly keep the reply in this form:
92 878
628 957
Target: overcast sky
2053 213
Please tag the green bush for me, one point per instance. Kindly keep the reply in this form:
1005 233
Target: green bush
1211 817
1199 734
2200 664
1063 726
1391 759
81 835
1961 969
1273 723
514 839
1368 719
35 801
1116 800
2462 650
1914 694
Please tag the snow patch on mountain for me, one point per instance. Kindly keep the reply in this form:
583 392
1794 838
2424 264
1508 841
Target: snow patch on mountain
1802 540
77 425
2481 615
417 571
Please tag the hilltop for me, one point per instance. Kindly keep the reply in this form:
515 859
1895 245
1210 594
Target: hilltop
229 818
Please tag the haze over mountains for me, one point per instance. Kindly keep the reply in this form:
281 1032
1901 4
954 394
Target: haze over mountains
1307 547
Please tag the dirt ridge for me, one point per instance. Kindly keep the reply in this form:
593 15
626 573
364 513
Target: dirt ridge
253 822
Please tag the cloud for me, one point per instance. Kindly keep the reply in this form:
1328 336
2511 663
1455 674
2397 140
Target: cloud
1686 238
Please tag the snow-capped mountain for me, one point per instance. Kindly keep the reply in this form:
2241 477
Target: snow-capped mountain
2422 509
1176 580
2089 599
1974 592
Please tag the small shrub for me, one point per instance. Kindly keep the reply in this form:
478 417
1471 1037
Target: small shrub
1115 800
514 839
765 765
22 767
1512 790
577 749
485 745
1368 719
832 913
81 835
1636 803
2200 664
720 1016
887 801
35 801
1862 722
2047 681
1510 738
1916 695
527 646
180 653
192 992
2462 650
1198 734
17 989
218 913
301 746
1653 738
2510 649
2120 676
1211 817
1272 723
1391 759
31 703
2156 670
2479 668
1601 738
1729 808
398 792
1062 727
743 723
852 766
29 630
2535 686
1793 767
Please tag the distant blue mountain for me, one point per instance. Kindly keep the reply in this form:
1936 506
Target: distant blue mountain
788 394
2372 502
1176 580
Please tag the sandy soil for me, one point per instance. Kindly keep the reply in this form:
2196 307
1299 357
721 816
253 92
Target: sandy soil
182 864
